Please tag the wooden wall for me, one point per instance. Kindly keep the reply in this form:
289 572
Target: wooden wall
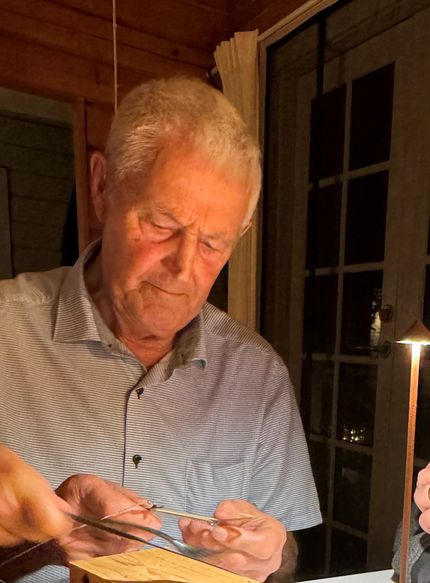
63 49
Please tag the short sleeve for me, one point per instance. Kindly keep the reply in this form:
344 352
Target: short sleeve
282 481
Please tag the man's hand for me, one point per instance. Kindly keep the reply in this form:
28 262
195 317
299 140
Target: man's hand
250 547
29 509
91 496
422 497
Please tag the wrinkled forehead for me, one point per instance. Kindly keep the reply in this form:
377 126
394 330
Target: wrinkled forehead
175 159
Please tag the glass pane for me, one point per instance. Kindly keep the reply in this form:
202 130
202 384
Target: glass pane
317 393
352 488
312 543
428 241
326 151
361 325
426 314
218 296
365 218
348 554
322 249
422 433
356 403
320 460
371 113
320 314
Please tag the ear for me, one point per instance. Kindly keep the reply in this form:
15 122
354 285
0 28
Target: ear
98 167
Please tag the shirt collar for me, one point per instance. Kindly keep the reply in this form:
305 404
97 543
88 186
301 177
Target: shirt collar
75 320
190 344
78 319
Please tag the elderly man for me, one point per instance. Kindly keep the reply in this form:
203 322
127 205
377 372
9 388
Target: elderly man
118 368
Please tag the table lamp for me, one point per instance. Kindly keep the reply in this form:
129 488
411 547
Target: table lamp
417 335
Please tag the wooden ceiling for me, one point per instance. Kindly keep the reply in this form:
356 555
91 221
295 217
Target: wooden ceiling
155 37
63 48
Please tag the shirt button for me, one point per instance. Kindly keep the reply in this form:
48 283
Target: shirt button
136 459
139 392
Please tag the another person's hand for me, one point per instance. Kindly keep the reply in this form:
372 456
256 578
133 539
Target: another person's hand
422 497
29 508
93 497
251 547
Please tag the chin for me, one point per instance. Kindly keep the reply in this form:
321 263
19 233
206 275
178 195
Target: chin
164 325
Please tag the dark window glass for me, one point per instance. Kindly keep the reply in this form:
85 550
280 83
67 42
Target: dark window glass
218 295
320 314
356 403
348 554
352 488
320 460
422 433
322 249
361 325
371 114
318 389
428 242
327 134
365 218
312 543
426 314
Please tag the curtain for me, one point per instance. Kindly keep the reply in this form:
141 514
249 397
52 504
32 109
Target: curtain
237 64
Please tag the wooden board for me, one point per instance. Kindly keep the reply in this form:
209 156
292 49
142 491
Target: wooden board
156 565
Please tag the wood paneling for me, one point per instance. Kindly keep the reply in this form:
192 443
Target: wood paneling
63 49
266 13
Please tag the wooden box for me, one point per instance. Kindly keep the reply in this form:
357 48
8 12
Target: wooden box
156 565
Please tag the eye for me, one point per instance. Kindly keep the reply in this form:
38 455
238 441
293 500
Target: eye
209 248
156 231
161 228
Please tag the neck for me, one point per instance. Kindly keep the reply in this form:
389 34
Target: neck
148 349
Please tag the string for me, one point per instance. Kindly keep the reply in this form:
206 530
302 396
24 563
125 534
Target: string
38 545
115 59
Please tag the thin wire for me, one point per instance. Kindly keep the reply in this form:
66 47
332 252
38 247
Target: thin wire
36 546
115 56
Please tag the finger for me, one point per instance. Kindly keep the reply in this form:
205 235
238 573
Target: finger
424 521
198 533
141 516
423 477
45 516
228 509
131 494
7 539
422 497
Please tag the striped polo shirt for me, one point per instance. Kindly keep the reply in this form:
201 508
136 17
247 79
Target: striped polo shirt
215 419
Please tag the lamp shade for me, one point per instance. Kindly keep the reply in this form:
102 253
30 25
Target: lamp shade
416 334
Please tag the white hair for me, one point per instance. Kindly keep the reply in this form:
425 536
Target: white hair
163 110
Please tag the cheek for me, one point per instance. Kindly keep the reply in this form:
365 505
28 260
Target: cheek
135 259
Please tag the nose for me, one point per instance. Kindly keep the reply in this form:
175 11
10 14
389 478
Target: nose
181 256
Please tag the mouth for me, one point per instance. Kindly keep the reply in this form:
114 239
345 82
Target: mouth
168 292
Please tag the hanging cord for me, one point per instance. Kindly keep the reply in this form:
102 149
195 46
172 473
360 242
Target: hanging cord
115 56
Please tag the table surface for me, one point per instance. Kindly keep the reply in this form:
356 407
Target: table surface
375 577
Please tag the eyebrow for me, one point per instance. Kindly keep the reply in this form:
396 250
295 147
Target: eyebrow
165 213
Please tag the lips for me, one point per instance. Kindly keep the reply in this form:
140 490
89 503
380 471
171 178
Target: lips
166 291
